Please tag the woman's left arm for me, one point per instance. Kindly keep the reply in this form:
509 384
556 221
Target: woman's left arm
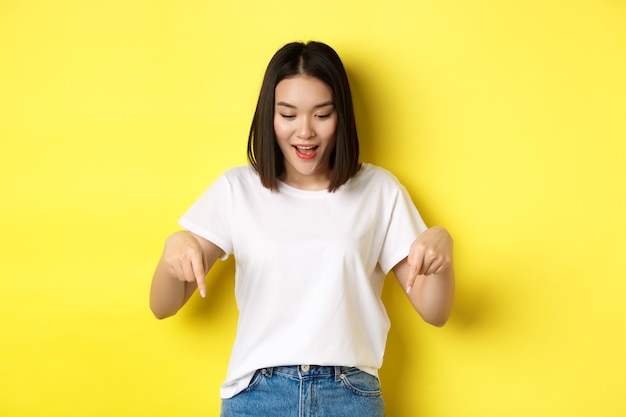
427 275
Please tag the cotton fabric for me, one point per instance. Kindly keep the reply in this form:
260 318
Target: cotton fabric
310 267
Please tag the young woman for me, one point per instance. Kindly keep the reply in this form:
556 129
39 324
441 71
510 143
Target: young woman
313 233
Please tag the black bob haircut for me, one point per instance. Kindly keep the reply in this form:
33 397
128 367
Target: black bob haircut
313 59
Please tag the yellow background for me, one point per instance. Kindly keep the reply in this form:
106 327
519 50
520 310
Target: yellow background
505 120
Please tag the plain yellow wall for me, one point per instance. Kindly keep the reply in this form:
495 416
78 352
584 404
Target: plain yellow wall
505 119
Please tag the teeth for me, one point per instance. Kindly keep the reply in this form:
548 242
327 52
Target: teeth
306 147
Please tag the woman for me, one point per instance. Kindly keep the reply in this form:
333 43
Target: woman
313 233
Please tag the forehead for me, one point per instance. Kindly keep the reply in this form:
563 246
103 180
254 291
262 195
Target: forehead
302 89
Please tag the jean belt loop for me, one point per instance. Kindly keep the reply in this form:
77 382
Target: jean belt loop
338 373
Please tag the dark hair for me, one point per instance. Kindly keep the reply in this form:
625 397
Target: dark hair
316 60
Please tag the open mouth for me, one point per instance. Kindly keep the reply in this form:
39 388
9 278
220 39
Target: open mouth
306 152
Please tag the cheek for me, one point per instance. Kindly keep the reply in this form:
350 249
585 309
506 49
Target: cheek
330 131
279 129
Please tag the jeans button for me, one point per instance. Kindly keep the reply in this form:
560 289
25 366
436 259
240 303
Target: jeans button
305 368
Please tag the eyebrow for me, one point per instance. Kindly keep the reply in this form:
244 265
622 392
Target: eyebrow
317 106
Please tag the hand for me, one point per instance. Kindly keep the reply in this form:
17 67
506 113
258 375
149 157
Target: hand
185 260
430 254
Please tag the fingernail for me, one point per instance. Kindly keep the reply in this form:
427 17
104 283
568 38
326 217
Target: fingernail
202 293
408 289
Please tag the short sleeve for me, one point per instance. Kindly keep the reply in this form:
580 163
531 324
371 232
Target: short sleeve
210 215
405 224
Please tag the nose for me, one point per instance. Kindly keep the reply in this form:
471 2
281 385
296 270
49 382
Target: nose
305 130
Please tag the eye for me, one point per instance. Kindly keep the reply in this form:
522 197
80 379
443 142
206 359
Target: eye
287 116
325 114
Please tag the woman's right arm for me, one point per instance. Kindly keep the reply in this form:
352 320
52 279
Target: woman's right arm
185 261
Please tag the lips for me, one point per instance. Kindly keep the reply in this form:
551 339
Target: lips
306 152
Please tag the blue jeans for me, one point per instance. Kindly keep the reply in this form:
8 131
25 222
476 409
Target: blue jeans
308 391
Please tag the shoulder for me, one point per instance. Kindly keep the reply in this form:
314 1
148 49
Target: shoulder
242 171
244 174
240 178
374 175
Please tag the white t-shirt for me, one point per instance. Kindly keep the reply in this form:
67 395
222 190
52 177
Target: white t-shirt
310 267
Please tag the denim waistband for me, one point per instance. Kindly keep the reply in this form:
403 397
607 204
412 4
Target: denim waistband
304 371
